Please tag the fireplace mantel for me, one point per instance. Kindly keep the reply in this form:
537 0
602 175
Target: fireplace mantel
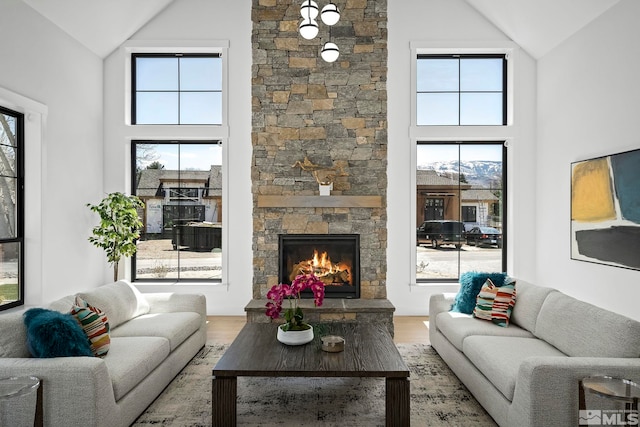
268 201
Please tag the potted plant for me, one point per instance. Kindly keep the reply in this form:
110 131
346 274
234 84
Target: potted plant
119 227
294 331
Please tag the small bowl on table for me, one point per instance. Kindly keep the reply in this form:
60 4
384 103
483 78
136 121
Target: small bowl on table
332 343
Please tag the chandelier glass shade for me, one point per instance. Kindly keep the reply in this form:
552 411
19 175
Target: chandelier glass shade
309 9
330 14
308 27
330 52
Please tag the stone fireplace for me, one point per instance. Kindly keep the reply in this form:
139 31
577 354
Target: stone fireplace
334 115
334 258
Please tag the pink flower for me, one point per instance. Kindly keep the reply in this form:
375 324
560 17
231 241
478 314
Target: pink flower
278 292
287 290
273 310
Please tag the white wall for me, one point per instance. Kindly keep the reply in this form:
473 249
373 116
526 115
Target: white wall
451 23
415 20
198 20
588 106
64 172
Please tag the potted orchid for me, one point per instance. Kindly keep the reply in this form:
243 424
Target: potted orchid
294 331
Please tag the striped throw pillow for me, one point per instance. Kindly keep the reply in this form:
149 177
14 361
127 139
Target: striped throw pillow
95 325
496 303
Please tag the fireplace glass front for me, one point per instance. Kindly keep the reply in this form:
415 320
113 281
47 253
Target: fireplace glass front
334 258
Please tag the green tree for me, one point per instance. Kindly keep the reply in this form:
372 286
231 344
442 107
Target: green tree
155 165
119 227
8 169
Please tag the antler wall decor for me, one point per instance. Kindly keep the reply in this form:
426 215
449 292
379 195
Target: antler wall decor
324 175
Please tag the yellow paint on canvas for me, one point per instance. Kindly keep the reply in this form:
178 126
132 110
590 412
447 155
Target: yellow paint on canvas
591 195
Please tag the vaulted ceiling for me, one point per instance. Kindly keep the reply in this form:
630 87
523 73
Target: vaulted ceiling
100 25
540 25
536 25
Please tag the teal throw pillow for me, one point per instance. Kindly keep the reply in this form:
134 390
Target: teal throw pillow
54 334
470 285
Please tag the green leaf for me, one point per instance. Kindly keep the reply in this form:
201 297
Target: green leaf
119 225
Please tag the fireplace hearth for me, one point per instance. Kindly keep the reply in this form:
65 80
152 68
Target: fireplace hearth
334 258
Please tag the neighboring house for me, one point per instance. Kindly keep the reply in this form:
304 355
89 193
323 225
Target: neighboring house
481 206
438 197
443 198
177 197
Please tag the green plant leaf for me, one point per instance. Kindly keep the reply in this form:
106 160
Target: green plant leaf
119 226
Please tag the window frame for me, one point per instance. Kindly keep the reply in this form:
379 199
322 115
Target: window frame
220 47
459 92
133 81
182 132
134 144
19 209
417 134
504 201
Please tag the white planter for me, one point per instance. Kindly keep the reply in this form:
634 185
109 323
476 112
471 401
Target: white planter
325 190
295 337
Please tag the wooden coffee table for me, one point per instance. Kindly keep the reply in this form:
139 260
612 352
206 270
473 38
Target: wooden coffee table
369 352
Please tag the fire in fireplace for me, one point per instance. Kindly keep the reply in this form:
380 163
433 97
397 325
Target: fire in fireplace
334 258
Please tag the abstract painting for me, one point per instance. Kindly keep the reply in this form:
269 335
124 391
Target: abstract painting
605 210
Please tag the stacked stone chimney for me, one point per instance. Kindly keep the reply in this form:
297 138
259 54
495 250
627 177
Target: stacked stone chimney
335 114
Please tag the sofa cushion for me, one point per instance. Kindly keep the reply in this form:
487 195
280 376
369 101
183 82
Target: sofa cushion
578 328
63 304
495 304
470 284
54 334
131 359
95 325
458 326
175 327
13 336
530 299
121 301
499 358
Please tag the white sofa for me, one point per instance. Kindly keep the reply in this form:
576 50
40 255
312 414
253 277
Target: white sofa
153 336
527 374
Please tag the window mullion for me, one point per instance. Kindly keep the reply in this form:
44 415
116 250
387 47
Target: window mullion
459 92
179 90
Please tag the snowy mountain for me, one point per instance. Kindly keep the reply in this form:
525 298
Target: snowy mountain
478 173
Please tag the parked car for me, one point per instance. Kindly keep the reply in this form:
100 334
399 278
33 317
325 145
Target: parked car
440 232
484 236
466 227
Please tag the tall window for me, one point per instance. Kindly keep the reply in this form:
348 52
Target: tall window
180 183
11 208
460 196
176 89
461 90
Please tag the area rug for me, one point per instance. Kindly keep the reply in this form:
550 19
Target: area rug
437 397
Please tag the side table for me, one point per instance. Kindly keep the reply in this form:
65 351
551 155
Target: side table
13 388
613 389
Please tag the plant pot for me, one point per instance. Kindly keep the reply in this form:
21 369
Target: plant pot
325 189
295 337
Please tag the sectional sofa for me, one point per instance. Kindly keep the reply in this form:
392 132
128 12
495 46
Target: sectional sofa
527 374
152 337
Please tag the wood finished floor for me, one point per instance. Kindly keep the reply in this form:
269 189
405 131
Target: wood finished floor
408 329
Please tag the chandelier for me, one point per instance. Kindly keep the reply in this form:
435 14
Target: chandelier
308 27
